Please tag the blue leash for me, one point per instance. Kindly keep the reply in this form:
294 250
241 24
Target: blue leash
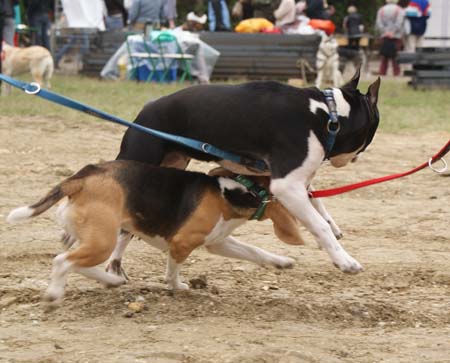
35 89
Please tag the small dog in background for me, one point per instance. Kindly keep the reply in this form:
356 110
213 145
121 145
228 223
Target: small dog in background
327 62
35 59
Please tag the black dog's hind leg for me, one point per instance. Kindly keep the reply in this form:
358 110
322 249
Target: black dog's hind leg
138 146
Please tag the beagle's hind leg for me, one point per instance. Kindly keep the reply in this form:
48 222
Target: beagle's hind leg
58 278
97 242
115 261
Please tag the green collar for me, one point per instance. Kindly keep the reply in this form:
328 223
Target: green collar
256 190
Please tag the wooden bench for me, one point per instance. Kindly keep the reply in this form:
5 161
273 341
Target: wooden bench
101 49
102 45
250 56
431 67
260 56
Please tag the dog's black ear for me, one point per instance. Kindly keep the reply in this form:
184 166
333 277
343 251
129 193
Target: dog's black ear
353 83
372 92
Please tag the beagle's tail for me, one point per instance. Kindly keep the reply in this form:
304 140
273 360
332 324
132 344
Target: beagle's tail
66 188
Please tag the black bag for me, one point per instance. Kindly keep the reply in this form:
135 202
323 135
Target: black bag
389 47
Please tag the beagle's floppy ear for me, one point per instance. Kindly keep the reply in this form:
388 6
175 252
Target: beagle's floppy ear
353 83
285 225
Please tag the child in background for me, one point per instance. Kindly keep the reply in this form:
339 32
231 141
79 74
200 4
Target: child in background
353 26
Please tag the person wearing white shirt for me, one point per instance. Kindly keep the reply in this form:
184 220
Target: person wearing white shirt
86 14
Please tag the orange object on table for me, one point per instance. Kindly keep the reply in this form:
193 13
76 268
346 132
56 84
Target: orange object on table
326 25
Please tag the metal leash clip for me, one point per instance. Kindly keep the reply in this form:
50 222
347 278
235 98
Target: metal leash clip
441 170
32 91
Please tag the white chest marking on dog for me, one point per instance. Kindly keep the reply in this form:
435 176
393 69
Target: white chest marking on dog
306 172
226 183
342 106
315 105
223 229
156 241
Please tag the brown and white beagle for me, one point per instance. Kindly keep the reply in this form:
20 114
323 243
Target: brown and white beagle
173 210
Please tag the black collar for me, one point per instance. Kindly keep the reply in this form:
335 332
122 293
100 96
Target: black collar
333 125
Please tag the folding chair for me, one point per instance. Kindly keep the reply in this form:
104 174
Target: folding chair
168 43
135 42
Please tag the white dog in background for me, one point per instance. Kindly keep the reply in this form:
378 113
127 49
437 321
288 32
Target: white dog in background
327 62
35 59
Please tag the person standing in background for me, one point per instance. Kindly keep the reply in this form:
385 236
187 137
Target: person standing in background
37 13
170 12
353 26
87 14
417 14
286 14
9 25
319 9
218 16
117 15
389 23
146 11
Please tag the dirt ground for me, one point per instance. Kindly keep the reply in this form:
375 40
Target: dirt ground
397 310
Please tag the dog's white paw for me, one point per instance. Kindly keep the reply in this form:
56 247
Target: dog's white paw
284 262
179 286
115 281
349 265
54 296
115 268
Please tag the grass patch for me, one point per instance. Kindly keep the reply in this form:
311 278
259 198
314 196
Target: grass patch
122 99
401 108
405 109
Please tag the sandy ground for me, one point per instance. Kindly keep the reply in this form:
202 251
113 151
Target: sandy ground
397 310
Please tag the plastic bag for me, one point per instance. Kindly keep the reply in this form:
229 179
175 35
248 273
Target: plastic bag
253 25
326 25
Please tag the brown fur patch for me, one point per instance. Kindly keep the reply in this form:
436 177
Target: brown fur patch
97 214
285 225
199 225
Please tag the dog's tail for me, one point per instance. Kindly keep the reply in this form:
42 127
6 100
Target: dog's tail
68 187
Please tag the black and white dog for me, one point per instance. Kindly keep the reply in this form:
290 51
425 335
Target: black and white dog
282 125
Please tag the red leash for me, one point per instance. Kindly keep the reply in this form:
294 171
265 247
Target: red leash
347 188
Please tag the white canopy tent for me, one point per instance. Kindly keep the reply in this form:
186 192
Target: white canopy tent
438 27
